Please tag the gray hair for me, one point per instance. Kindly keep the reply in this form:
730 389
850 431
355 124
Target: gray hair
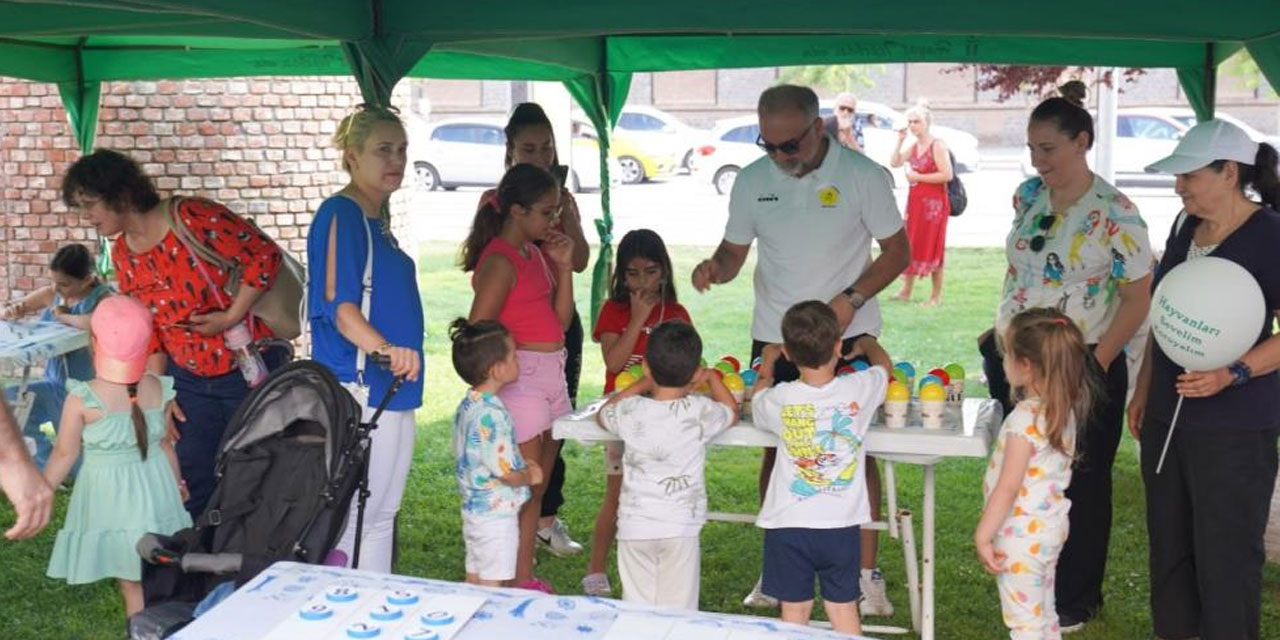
921 108
845 94
788 97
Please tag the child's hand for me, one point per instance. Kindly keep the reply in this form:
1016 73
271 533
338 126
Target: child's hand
558 247
183 492
642 304
991 559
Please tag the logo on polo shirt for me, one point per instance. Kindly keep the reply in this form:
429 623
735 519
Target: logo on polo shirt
768 197
828 196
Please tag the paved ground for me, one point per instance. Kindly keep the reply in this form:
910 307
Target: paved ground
686 211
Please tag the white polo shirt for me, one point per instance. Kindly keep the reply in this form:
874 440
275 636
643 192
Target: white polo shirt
814 233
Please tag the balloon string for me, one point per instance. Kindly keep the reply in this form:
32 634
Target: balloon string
1169 437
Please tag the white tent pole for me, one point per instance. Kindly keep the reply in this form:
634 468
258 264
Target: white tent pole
1105 127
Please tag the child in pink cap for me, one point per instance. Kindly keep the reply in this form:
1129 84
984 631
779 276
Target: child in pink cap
124 489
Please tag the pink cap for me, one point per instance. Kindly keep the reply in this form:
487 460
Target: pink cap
121 329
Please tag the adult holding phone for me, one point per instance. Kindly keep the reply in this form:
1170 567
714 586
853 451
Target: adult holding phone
530 140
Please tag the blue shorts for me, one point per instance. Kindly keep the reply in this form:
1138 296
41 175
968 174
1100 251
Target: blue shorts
792 557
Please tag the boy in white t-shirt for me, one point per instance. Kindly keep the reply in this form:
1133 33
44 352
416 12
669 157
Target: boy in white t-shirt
817 497
664 498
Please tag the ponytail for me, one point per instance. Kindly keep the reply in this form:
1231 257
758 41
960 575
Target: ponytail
1064 368
1262 176
523 184
139 422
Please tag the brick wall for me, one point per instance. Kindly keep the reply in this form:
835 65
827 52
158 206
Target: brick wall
258 145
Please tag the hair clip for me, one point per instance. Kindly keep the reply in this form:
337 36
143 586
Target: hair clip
1061 321
494 201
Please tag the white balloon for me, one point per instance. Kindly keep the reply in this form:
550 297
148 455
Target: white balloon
1206 313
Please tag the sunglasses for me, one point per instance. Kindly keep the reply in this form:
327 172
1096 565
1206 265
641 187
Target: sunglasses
790 147
846 109
1044 224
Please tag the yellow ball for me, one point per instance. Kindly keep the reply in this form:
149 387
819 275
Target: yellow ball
933 392
897 392
733 382
624 380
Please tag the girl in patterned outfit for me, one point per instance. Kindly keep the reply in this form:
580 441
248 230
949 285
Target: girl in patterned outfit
1024 523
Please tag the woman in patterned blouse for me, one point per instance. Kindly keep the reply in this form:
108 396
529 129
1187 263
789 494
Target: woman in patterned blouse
111 191
1078 245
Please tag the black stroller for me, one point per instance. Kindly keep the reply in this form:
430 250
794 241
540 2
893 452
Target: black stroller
293 456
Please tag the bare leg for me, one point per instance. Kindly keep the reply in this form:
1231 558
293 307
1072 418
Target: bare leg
766 470
935 298
871 537
843 616
131 591
606 525
531 450
798 612
904 294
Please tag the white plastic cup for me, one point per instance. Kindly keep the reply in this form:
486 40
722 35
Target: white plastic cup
895 414
931 413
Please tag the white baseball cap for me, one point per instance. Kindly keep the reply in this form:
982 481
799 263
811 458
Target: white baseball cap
1205 143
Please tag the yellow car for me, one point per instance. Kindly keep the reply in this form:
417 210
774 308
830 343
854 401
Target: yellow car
634 163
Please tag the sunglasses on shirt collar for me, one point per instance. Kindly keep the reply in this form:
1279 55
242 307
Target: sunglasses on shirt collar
1044 224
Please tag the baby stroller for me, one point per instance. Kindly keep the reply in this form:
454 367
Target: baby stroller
293 456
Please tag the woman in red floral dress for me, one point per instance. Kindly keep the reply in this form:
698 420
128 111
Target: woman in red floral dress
190 316
928 172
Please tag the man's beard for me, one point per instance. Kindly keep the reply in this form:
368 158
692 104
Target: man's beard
792 168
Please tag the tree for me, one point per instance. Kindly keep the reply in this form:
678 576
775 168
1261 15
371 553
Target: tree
833 77
1243 66
1011 80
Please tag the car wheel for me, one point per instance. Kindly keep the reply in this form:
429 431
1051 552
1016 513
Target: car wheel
427 176
632 170
724 179
685 162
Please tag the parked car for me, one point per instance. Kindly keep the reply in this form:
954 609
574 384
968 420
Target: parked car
1188 118
1143 136
730 147
880 125
656 134
470 152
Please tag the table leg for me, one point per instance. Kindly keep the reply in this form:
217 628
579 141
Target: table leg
926 633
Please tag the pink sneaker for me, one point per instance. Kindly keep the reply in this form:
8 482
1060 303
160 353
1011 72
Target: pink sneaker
536 584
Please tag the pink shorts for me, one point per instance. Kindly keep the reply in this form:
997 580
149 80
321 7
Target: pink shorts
539 396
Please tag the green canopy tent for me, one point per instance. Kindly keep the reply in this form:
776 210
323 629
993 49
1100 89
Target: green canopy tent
594 46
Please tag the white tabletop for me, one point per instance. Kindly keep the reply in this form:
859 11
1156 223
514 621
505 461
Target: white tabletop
968 428
28 342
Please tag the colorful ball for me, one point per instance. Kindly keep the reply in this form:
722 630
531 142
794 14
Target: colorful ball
624 380
942 375
897 392
860 365
933 393
902 376
955 371
737 364
845 371
734 383
725 367
749 377
930 379
757 363
636 370
906 366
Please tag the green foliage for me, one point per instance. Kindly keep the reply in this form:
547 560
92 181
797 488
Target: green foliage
833 77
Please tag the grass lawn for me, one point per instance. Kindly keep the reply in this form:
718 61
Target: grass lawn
32 606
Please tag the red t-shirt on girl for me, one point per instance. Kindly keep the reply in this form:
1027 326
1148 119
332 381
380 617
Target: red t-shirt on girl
614 317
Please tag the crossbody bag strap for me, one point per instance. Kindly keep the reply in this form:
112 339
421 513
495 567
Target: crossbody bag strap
186 239
366 296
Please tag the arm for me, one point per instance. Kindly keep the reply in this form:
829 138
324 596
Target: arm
1135 301
1017 456
722 266
571 224
564 295
719 392
77 320
898 157
870 347
1141 386
895 255
67 448
31 496
1261 360
166 448
494 277
942 160
28 304
242 242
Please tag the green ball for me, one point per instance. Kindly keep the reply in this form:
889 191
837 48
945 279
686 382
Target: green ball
725 367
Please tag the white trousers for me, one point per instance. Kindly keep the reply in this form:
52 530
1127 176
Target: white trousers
663 572
391 454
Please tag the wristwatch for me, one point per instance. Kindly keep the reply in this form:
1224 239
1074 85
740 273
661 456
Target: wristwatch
856 299
1240 372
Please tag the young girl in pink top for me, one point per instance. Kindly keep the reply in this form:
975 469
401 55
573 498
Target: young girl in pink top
530 291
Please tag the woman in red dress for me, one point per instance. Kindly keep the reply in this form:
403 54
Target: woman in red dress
928 172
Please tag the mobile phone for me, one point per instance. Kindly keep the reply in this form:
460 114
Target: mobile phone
561 172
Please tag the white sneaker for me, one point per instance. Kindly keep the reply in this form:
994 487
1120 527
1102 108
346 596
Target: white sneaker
758 599
874 601
555 539
597 584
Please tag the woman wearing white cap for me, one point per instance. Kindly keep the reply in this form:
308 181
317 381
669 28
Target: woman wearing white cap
1207 509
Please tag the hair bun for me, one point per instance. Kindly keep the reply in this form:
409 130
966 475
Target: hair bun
1074 92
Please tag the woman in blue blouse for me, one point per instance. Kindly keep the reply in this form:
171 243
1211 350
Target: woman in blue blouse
346 326
73 295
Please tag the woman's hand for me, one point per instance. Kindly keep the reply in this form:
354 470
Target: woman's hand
172 416
404 361
558 247
1203 384
902 136
912 177
62 313
212 323
1137 409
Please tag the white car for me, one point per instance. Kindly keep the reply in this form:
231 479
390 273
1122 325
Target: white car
1188 118
880 125
1143 136
470 152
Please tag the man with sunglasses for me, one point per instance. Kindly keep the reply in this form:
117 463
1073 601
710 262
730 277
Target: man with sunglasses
814 206
843 125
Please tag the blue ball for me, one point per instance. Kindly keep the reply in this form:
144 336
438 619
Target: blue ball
860 365
906 366
748 377
930 379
